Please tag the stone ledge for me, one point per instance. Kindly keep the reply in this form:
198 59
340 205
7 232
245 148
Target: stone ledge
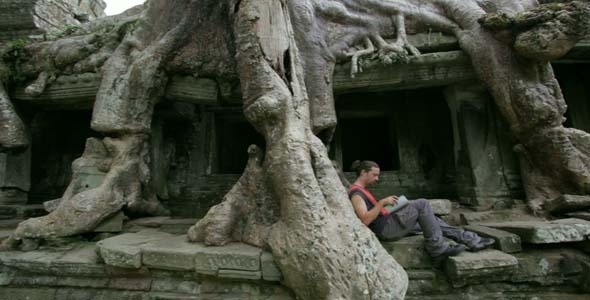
163 251
558 231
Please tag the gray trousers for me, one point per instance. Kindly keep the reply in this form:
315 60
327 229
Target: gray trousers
418 216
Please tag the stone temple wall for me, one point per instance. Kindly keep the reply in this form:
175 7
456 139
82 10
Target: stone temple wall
19 18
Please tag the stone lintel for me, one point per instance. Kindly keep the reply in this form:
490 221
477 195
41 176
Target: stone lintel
429 70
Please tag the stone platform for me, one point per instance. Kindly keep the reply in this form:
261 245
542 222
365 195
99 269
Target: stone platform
155 264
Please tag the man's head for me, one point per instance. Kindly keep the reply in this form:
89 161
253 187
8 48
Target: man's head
367 171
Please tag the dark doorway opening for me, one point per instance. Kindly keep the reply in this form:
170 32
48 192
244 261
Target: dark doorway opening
234 136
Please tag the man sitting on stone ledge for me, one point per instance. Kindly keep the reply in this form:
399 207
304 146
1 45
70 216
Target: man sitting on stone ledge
416 216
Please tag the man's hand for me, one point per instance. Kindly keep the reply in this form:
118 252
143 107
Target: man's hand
391 200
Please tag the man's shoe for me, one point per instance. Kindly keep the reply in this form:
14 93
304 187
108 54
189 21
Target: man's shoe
453 250
483 243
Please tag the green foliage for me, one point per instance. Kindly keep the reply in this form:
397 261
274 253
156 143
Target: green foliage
13 56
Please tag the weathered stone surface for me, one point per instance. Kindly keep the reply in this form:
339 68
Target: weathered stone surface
33 261
409 252
441 207
505 241
173 253
433 69
487 265
270 271
239 274
547 267
112 224
583 215
520 213
175 285
83 260
234 256
125 250
201 91
15 173
177 226
478 182
559 231
567 203
20 18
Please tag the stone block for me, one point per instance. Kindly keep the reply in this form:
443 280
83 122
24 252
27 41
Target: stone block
505 241
409 252
33 293
177 226
239 274
32 261
583 215
547 266
175 285
82 260
495 216
8 211
567 203
234 256
13 196
558 231
270 271
486 265
125 250
112 224
441 207
173 253
15 171
131 283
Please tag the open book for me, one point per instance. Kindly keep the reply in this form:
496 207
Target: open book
402 201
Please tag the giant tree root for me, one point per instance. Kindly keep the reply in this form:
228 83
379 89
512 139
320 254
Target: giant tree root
81 209
246 212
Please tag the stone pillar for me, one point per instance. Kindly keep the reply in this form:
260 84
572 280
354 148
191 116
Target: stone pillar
15 177
481 178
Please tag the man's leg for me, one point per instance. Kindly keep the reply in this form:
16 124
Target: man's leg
458 234
470 239
420 212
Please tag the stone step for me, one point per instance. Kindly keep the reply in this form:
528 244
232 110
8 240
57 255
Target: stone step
567 203
584 215
548 232
163 251
549 266
124 250
483 266
505 241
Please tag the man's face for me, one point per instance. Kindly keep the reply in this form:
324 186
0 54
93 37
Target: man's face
371 176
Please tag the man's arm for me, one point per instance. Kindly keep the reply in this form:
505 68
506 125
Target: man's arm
368 216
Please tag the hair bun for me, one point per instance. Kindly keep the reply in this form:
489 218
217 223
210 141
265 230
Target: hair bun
355 164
